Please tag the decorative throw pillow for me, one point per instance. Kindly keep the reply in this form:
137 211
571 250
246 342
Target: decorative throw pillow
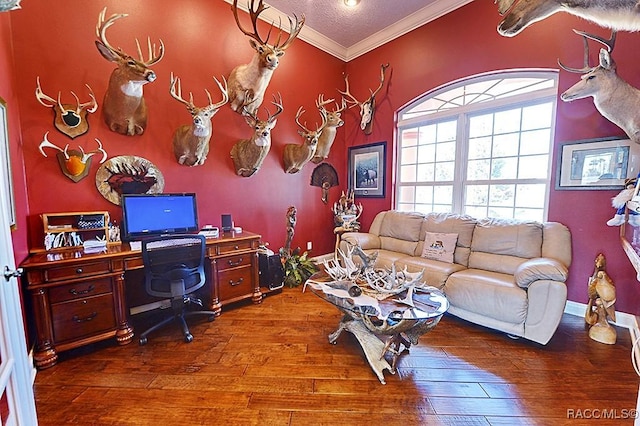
439 246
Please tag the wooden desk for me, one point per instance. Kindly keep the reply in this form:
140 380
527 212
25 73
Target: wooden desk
79 298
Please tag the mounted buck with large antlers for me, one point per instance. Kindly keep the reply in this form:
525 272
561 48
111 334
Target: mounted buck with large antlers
296 156
329 133
623 15
248 82
124 107
191 141
368 107
614 98
248 154
67 118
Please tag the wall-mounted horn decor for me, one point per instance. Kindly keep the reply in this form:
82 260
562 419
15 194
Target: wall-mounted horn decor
74 163
69 119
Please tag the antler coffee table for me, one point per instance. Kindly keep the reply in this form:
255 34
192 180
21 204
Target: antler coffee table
401 317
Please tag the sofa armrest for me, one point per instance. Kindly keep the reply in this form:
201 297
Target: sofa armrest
365 240
547 301
540 268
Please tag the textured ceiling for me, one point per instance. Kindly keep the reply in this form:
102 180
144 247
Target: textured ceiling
347 32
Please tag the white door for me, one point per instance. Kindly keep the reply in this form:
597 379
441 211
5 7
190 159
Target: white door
17 403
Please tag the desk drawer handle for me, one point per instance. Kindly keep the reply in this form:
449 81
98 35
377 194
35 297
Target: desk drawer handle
79 320
236 247
88 290
232 263
234 283
79 271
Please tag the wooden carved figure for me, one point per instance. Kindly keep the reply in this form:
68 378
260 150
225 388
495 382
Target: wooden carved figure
248 82
329 133
367 107
248 154
74 164
601 304
191 141
124 107
68 118
296 156
621 15
614 98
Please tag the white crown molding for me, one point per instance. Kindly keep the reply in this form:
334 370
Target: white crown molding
405 25
410 23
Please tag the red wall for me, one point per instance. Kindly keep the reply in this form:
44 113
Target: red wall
56 42
465 43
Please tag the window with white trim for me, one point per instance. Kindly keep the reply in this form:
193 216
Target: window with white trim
481 146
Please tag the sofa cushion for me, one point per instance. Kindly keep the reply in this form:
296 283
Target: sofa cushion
439 246
435 272
402 226
540 269
501 245
462 225
491 294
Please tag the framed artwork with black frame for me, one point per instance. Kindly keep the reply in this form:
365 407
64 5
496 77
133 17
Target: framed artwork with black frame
367 169
597 164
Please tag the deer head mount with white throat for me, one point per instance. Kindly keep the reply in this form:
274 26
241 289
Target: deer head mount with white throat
74 163
619 15
329 133
69 119
191 141
296 156
248 82
124 108
367 107
614 98
248 154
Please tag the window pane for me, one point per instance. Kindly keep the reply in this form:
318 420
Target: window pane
500 212
507 121
535 166
477 212
535 142
478 170
408 173
444 171
447 131
502 195
506 145
406 194
427 153
480 147
530 195
428 134
477 195
443 194
537 116
446 151
409 137
424 195
426 172
504 168
481 125
409 155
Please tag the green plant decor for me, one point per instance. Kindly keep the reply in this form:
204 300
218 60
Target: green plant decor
297 267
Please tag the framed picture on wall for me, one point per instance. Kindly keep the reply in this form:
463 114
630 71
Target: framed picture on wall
597 164
367 169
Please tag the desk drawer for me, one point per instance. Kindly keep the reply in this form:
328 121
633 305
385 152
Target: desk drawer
235 283
77 271
82 317
236 261
232 246
80 290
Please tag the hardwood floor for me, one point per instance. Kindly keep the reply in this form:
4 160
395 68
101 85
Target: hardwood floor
271 364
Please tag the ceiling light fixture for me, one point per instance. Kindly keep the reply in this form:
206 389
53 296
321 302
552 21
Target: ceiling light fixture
351 3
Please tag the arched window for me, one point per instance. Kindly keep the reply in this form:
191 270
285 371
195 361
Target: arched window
480 146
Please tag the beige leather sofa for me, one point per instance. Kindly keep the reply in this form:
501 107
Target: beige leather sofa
504 274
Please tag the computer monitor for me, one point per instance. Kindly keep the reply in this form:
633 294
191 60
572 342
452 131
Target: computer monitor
145 215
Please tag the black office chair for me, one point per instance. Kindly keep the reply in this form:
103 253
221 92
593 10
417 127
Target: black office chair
174 267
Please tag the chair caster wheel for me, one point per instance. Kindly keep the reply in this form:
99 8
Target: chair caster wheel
211 318
188 338
143 341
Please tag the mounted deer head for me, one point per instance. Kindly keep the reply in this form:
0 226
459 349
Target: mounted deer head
620 15
191 141
329 133
248 82
124 107
74 164
614 98
367 107
248 154
67 118
296 156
